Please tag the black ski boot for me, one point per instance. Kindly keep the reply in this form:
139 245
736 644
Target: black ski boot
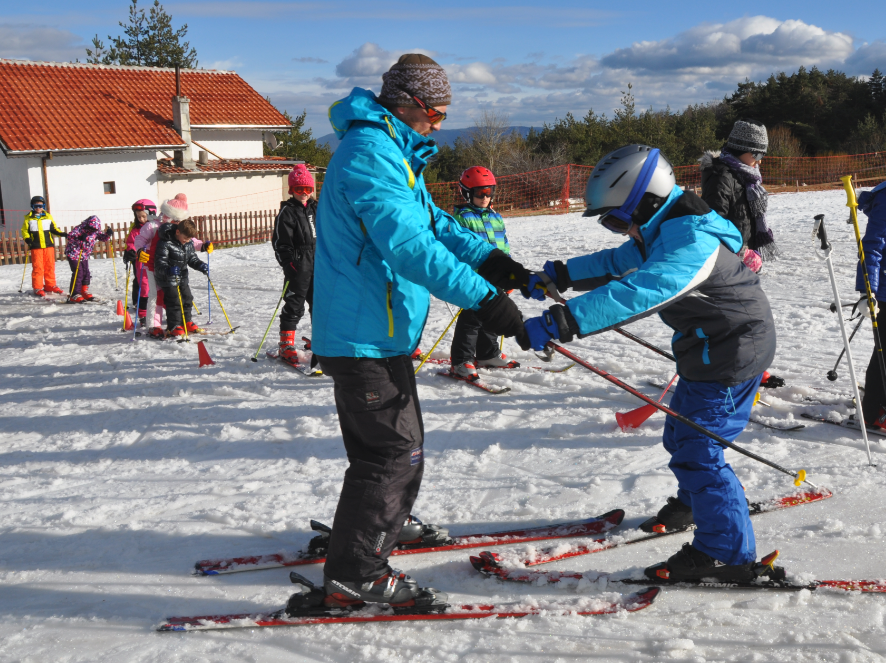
416 534
672 517
394 588
691 564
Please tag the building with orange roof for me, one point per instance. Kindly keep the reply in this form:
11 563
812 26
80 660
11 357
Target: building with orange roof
95 138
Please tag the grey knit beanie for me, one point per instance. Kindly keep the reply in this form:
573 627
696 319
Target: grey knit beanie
418 75
748 136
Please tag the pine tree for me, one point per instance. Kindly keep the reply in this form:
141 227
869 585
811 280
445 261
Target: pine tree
148 40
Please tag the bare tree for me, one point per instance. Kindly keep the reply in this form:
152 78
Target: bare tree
488 137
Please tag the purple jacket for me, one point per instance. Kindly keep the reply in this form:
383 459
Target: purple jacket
82 239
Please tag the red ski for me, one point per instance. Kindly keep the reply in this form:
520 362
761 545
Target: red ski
544 556
476 383
588 527
599 605
489 564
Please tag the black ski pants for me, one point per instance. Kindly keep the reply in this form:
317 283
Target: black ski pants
874 397
300 290
173 309
383 432
471 340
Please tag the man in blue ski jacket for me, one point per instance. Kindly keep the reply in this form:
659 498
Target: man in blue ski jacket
680 262
873 204
382 248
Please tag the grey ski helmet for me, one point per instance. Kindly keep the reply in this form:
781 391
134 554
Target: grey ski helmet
622 177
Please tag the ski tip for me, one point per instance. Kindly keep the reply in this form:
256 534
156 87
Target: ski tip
615 516
641 599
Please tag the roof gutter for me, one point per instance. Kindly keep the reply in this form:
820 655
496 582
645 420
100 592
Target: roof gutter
244 127
88 150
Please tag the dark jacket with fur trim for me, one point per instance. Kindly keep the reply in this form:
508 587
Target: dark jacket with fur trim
723 192
171 252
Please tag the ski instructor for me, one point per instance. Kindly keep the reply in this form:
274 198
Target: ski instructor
382 247
681 262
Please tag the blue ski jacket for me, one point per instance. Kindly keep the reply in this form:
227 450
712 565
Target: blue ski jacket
382 244
686 270
873 204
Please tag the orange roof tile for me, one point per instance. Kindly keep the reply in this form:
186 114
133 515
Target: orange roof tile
49 106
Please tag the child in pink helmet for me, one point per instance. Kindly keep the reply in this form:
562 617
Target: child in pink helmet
293 241
143 210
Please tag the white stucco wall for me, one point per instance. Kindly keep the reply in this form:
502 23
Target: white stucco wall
15 188
228 144
226 193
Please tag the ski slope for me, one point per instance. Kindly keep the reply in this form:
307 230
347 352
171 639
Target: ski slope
121 464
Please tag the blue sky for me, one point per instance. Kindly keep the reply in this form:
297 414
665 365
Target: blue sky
534 61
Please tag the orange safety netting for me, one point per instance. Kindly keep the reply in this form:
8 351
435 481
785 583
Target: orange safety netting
562 188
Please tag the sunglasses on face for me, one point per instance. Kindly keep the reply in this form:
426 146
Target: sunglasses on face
434 115
483 192
302 190
39 206
614 224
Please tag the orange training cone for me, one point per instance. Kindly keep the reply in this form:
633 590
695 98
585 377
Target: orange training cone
119 307
634 418
127 321
205 359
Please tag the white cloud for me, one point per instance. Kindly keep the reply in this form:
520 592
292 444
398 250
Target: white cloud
37 42
225 65
867 58
366 65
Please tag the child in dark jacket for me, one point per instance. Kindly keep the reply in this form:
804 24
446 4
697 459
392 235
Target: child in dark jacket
175 253
81 241
472 346
293 241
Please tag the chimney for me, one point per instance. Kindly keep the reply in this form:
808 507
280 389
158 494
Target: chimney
181 122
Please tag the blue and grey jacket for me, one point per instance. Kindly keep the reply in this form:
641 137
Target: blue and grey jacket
873 204
382 244
686 270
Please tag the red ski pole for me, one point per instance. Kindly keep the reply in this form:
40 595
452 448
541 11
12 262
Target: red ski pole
799 477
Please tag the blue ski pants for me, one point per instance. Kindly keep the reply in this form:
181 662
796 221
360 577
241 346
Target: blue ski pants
706 481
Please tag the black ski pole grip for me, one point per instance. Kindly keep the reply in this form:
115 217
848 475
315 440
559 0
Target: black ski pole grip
822 233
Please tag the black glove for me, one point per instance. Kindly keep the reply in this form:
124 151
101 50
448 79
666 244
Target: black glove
65 235
109 230
207 247
499 315
129 256
502 271
771 381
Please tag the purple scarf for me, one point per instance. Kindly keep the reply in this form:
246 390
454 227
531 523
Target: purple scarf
761 239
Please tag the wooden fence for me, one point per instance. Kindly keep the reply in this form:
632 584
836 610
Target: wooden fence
224 230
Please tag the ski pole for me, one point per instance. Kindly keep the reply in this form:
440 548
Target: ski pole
112 254
182 309
852 204
24 271
799 476
137 304
196 310
552 292
208 293
645 344
126 300
832 375
425 358
821 233
76 271
220 303
282 295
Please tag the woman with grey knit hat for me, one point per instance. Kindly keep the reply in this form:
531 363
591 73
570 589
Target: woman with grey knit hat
732 186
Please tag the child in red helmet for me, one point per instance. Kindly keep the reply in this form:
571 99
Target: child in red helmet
473 347
294 238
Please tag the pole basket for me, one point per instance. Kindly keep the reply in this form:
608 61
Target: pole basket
634 418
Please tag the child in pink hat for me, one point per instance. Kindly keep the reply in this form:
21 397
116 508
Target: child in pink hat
293 241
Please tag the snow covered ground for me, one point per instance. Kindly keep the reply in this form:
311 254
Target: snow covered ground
123 463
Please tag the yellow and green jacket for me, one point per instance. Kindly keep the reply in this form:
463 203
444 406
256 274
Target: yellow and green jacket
37 231
485 222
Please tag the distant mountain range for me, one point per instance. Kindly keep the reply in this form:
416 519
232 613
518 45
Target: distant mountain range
443 137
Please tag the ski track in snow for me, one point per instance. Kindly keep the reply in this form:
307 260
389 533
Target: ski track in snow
121 464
